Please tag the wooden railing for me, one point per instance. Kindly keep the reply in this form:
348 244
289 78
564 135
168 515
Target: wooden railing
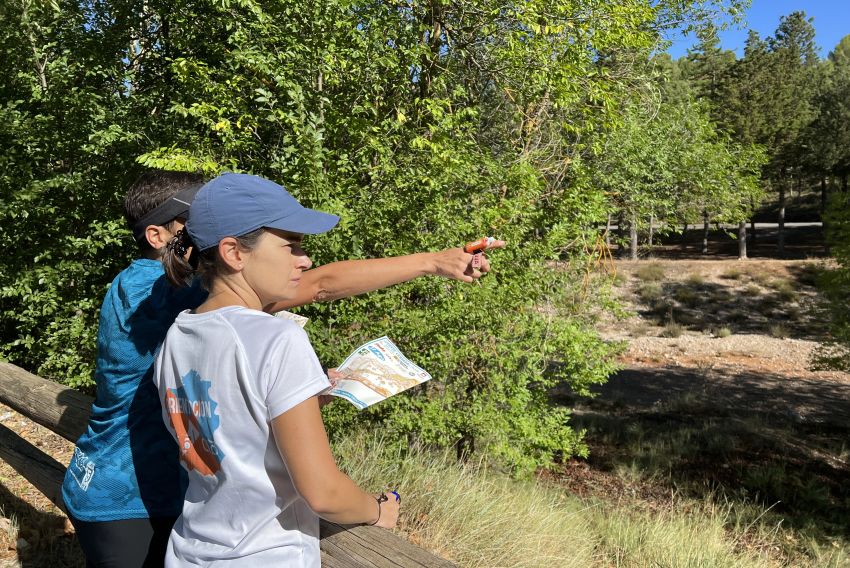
66 411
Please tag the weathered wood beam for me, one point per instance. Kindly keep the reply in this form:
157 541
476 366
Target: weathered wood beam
37 467
56 407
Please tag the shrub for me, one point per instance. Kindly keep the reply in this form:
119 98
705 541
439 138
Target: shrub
395 140
723 332
672 329
653 272
733 273
778 331
650 292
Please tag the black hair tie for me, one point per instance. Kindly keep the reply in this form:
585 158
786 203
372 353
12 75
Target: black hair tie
179 243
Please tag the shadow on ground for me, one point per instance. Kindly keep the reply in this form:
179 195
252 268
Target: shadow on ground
755 438
44 546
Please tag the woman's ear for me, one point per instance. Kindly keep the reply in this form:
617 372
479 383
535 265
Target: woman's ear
231 253
157 236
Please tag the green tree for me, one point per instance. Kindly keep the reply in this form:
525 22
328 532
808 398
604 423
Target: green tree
421 124
829 137
671 165
768 99
707 67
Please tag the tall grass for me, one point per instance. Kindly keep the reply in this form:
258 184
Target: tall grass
650 272
481 518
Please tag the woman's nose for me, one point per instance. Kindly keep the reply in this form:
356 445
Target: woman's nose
304 262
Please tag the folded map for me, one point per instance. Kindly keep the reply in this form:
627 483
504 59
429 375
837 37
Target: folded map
376 371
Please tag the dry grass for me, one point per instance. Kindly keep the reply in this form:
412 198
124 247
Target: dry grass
733 273
695 279
480 518
672 329
650 292
778 331
785 289
653 272
687 296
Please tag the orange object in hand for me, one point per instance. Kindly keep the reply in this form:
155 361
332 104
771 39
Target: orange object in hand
479 246
475 248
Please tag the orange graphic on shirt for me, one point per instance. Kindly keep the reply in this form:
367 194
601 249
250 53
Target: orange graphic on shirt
196 451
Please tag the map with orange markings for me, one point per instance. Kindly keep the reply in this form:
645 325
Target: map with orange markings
376 371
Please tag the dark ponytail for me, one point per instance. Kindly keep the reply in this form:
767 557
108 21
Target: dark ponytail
179 269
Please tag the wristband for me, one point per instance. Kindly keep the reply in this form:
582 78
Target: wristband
380 499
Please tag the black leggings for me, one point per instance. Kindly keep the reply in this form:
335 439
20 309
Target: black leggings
130 543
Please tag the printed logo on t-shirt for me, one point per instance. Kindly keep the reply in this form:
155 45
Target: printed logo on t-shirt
193 416
82 469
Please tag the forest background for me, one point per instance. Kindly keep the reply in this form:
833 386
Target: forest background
423 125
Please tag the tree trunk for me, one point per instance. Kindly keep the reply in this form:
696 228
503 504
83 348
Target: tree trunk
633 239
705 229
753 221
432 43
608 232
742 240
684 241
651 232
780 232
621 235
824 190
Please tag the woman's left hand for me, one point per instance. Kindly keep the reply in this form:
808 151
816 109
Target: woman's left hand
334 377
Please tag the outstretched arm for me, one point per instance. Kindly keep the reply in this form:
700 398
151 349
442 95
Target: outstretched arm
352 277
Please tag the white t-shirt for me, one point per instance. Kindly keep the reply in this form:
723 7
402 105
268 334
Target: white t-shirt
222 377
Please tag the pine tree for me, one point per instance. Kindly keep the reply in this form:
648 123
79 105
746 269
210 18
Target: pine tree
768 99
707 66
794 54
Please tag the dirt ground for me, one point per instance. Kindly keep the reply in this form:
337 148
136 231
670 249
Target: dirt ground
717 396
33 532
747 333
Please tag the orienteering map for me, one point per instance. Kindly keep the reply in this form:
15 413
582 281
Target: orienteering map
376 371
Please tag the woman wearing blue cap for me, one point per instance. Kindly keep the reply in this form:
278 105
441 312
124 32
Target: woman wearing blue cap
124 487
239 389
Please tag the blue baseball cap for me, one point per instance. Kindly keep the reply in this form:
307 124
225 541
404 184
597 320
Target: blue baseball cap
233 205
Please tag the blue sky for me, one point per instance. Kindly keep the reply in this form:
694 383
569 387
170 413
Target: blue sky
832 22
